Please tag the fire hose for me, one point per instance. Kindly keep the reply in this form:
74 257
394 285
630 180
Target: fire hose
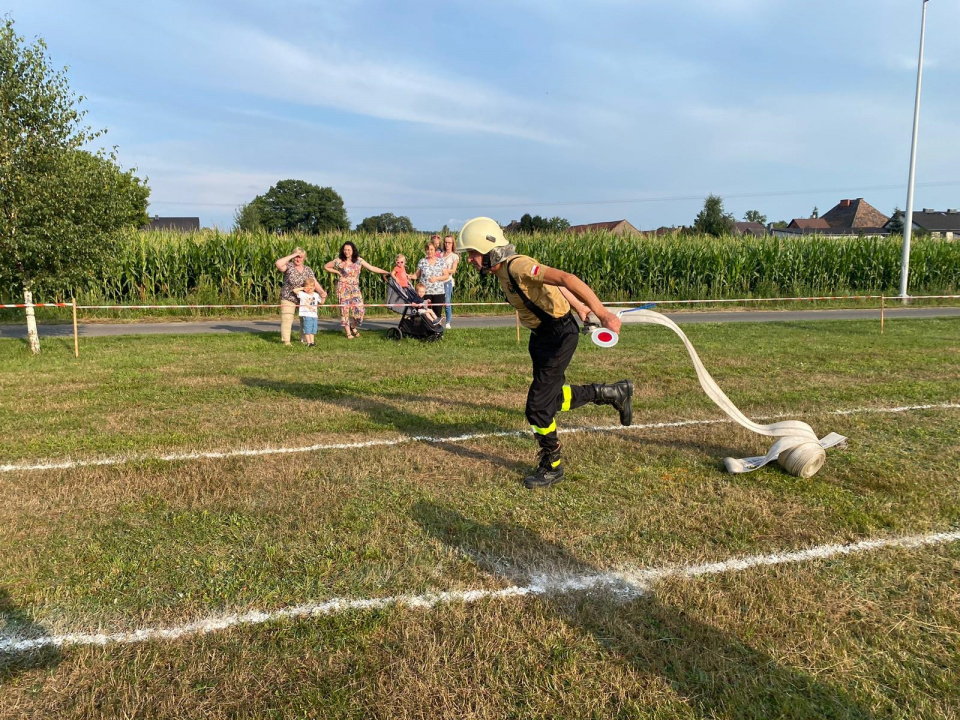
797 449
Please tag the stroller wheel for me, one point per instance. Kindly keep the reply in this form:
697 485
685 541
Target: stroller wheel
394 334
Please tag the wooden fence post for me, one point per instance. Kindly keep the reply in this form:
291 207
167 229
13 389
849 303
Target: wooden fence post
76 338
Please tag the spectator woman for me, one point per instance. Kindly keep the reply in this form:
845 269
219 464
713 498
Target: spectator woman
295 275
347 267
432 272
451 260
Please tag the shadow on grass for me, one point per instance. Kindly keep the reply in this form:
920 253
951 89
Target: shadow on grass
18 625
392 415
385 409
269 330
517 468
263 329
709 452
713 671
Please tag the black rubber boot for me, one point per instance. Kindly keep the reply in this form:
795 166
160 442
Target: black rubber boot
620 395
549 469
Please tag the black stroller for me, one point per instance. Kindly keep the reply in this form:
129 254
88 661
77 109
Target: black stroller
413 314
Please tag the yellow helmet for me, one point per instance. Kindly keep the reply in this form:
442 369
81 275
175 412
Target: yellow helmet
480 234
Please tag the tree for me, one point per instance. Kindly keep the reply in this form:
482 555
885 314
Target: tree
535 223
712 220
780 224
896 222
61 207
247 217
755 216
386 223
294 206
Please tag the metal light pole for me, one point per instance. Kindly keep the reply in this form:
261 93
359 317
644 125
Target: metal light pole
908 213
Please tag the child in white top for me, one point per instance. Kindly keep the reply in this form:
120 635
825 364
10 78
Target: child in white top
310 300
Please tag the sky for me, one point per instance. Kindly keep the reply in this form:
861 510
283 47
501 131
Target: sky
591 111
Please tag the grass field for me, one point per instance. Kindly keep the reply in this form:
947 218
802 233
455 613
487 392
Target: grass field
589 602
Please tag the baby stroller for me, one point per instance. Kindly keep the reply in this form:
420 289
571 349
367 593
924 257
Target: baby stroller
412 311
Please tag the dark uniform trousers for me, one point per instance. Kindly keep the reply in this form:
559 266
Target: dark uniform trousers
551 349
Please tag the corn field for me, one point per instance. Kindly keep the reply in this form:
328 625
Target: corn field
212 267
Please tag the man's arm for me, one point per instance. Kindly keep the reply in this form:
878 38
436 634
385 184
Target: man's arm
578 307
570 282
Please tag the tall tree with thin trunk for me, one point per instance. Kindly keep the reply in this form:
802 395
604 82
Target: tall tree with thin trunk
61 206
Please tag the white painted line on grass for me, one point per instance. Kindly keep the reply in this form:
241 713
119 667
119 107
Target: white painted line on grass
905 408
180 457
634 581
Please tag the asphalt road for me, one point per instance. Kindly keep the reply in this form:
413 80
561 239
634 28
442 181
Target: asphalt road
187 327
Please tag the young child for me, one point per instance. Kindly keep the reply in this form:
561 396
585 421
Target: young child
425 308
399 271
310 299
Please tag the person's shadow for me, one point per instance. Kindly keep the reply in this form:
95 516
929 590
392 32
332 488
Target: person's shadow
716 674
391 413
17 625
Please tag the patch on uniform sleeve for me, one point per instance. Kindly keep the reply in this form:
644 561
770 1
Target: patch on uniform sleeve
535 270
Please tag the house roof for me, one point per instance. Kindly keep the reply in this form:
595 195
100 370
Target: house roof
854 214
809 224
183 224
749 228
611 226
937 220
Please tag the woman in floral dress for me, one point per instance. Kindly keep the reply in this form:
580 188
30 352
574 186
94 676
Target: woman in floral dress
347 268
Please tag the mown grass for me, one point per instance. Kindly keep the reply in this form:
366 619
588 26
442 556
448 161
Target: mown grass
151 542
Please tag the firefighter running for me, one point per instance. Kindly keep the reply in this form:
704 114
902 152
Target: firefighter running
542 297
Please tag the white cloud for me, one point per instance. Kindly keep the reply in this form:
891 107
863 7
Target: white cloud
182 185
825 130
338 77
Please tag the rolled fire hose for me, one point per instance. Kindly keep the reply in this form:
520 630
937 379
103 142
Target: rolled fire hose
797 449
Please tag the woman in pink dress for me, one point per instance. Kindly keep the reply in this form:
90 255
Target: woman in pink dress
347 268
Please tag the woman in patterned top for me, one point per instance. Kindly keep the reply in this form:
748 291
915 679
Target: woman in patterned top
432 272
295 275
347 268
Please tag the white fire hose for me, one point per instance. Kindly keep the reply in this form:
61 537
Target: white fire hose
797 449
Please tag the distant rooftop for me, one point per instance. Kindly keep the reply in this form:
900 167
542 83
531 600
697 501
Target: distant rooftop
854 215
618 227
